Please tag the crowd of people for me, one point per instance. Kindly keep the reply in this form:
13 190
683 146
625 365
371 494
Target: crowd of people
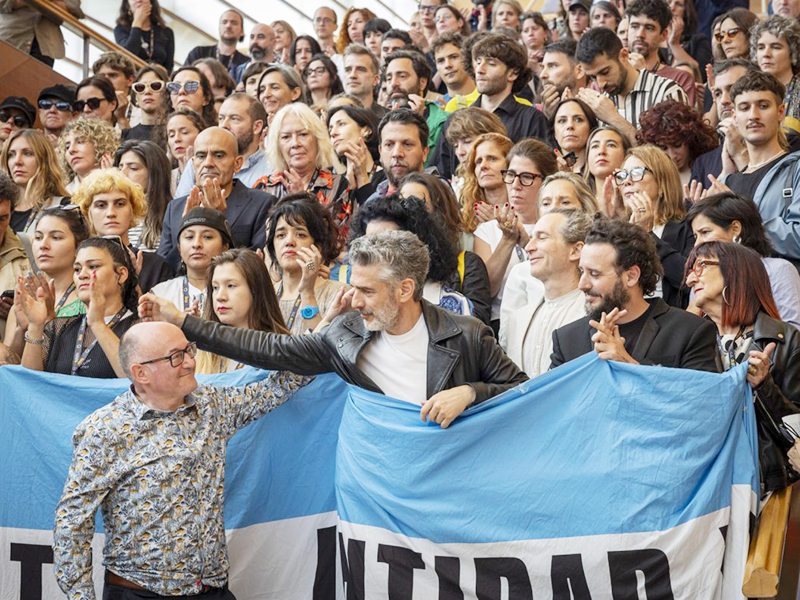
479 197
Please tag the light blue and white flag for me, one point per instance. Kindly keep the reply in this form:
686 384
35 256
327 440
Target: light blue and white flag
596 480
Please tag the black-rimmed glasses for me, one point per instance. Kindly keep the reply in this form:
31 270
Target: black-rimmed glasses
526 179
176 358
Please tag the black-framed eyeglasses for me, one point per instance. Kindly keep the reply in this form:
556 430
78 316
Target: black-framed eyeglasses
315 71
699 266
526 178
141 86
190 87
19 120
635 174
62 105
92 103
176 358
729 33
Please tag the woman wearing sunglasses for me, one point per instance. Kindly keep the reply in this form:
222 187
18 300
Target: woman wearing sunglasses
652 195
86 345
112 205
31 162
141 31
55 239
96 98
189 88
322 81
149 94
733 36
241 295
731 287
86 145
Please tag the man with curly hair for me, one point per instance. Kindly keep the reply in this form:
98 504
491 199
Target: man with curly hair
619 269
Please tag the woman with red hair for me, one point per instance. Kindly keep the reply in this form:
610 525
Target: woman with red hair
732 288
352 28
679 131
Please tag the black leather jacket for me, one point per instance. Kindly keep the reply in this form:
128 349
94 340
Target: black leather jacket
780 391
461 350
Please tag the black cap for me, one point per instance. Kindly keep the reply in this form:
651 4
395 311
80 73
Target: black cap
208 217
22 105
586 4
59 92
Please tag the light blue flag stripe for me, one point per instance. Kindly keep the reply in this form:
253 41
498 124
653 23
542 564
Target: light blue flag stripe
591 448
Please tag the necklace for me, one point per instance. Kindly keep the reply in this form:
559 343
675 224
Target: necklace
751 168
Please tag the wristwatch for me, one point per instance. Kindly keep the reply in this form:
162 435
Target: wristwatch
309 312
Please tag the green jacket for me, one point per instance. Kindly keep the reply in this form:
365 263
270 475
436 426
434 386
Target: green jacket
435 116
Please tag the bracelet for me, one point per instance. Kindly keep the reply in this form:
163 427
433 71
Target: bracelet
35 342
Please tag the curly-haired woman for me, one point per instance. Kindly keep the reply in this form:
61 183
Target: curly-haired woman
679 131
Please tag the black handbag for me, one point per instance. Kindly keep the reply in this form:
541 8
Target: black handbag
774 441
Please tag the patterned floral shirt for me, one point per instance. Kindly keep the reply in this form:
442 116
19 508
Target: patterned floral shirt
158 478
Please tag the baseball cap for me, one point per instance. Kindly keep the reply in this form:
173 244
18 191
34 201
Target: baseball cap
585 4
22 105
208 217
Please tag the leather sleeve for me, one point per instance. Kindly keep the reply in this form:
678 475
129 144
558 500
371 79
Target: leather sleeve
302 354
498 371
476 286
780 391
556 357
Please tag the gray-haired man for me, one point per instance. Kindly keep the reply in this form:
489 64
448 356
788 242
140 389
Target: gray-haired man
389 338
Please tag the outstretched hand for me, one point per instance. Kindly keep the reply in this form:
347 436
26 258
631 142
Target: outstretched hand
445 407
155 308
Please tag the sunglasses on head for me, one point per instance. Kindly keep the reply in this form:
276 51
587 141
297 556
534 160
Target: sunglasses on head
190 87
19 120
154 86
92 103
61 105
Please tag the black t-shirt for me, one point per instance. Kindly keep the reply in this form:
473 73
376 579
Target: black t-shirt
631 331
745 184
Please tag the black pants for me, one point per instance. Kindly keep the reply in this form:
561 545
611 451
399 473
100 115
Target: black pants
116 592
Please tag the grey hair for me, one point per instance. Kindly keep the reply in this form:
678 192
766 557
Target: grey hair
576 225
780 27
401 254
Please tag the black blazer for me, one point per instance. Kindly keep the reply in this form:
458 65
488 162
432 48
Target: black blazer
674 247
246 214
671 337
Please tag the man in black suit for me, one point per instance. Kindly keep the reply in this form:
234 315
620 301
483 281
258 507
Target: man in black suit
619 268
215 160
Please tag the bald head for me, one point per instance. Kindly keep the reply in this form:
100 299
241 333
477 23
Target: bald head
216 155
262 41
145 341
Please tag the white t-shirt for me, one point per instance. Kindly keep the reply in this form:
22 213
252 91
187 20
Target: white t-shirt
490 233
398 364
172 290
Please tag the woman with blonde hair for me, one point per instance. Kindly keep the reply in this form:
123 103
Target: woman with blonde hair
484 190
86 145
241 295
284 37
567 191
31 162
506 13
652 195
352 27
300 151
113 204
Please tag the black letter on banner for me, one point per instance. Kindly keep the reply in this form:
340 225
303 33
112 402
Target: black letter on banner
352 567
448 568
651 562
489 571
568 578
402 562
31 557
325 577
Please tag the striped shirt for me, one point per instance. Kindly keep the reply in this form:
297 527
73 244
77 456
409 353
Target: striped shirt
649 90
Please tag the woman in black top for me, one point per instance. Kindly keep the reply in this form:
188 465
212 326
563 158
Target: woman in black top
86 345
141 31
